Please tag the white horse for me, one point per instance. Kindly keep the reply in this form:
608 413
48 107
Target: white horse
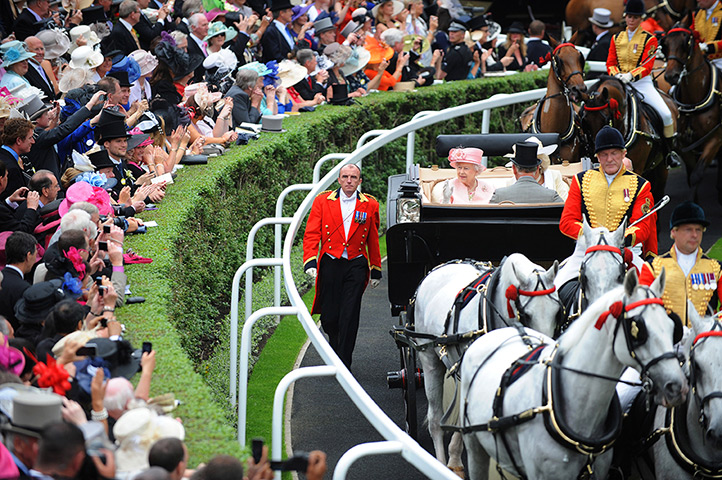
697 425
536 303
571 384
602 268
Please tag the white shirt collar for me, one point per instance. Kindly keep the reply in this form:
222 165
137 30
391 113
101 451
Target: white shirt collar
631 34
601 35
344 198
126 24
22 275
199 41
37 17
686 261
710 10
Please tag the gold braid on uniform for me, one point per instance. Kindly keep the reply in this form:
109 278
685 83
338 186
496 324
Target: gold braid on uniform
604 204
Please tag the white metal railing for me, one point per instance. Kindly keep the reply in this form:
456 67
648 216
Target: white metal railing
396 439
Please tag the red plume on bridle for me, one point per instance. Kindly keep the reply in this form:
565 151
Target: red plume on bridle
612 104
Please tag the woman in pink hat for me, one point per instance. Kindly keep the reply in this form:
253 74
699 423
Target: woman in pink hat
465 189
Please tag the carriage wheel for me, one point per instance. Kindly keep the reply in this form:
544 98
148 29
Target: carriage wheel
408 365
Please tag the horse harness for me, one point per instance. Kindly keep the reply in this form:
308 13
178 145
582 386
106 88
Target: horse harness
580 303
664 5
574 123
451 346
675 427
635 333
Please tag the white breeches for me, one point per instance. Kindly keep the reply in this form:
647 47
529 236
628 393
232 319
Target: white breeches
652 98
717 62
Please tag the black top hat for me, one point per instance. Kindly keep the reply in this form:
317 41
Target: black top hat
122 77
38 300
340 93
93 14
477 23
277 5
634 7
111 125
688 212
526 155
100 159
608 137
517 27
122 359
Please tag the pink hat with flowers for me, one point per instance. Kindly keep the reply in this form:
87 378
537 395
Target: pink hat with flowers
466 155
85 192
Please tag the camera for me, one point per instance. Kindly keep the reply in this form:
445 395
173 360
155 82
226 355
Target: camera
103 246
101 287
147 347
106 228
298 462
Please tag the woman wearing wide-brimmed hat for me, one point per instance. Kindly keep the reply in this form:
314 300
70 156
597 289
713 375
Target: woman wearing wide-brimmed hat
174 71
299 27
15 63
140 90
218 34
385 13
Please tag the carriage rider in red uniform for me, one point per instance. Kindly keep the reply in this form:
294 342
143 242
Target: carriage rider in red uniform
631 59
341 244
605 197
707 22
690 274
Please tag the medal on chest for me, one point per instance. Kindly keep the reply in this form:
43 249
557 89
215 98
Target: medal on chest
714 21
360 217
634 49
695 281
627 198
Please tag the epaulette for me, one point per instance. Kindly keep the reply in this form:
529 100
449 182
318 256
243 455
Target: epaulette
367 196
325 192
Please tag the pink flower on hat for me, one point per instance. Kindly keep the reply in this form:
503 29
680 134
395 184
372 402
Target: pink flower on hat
466 155
84 192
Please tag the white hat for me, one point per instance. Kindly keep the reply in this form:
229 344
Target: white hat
358 60
136 431
74 78
398 6
56 43
85 57
223 58
291 73
540 149
84 31
146 61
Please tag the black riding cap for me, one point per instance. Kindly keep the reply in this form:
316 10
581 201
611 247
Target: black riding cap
688 212
634 7
608 137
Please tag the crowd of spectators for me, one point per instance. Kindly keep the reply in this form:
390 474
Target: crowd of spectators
100 104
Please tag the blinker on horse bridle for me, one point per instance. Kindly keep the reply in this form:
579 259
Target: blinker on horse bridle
691 41
513 295
557 70
716 331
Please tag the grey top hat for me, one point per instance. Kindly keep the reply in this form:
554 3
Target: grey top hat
272 123
322 25
602 18
34 107
350 28
34 411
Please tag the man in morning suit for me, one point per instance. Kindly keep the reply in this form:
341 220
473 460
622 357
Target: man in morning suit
197 46
605 197
601 23
309 87
123 37
10 220
28 21
17 140
36 75
21 253
527 168
276 42
689 273
246 95
340 246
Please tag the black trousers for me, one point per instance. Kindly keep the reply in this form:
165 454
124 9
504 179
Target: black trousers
342 285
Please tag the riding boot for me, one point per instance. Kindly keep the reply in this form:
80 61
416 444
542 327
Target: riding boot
673 159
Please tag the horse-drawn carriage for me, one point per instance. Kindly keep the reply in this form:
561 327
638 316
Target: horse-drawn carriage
422 235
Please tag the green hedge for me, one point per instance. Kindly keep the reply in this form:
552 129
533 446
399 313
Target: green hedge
206 216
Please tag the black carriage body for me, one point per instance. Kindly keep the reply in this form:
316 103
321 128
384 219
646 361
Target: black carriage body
483 232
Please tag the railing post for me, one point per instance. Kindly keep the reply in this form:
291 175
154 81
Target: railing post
243 363
277 238
283 385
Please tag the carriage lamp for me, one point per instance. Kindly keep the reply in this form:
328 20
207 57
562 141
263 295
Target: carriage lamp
408 205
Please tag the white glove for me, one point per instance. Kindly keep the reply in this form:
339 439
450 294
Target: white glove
375 282
625 77
703 47
311 272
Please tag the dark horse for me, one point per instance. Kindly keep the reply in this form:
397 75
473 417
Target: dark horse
555 112
611 104
697 95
